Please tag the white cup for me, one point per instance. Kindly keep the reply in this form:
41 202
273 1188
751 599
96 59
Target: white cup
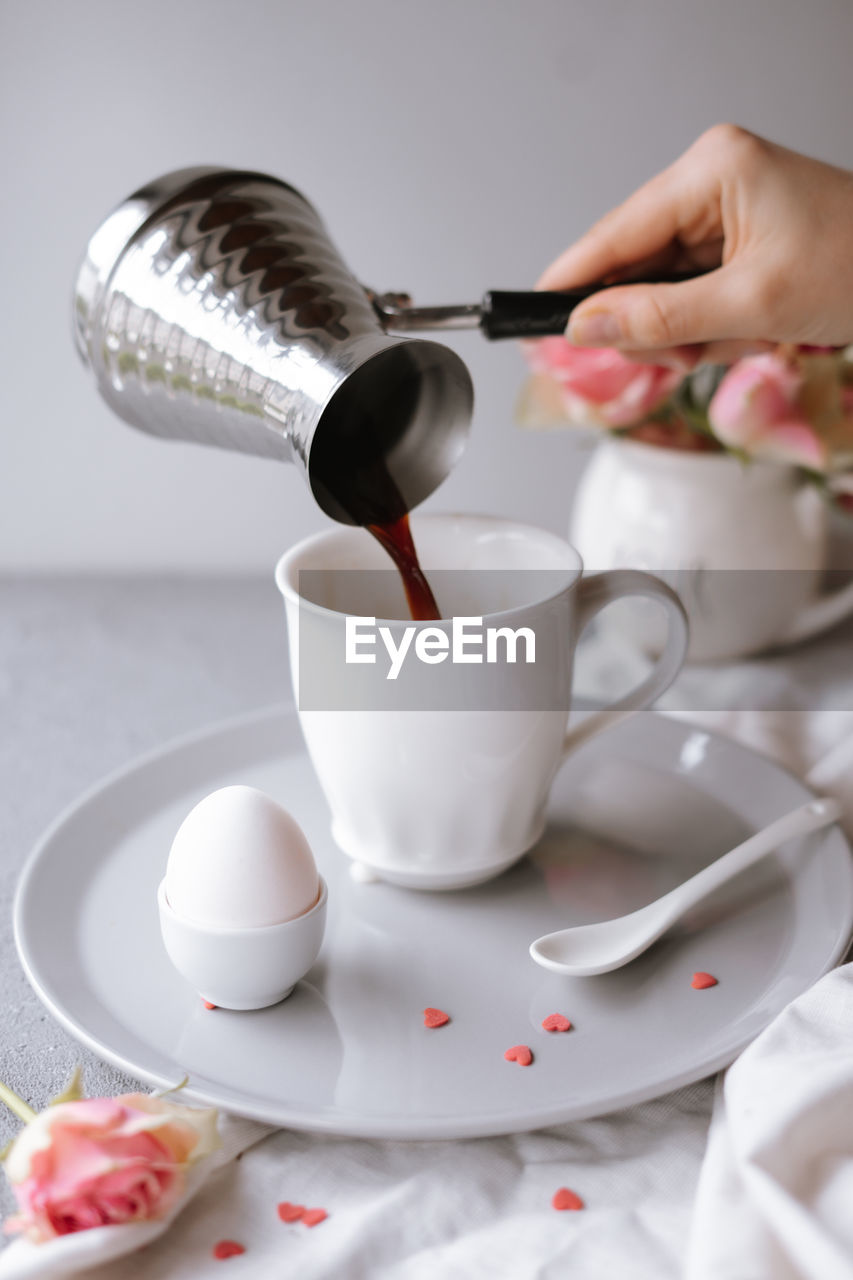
439 779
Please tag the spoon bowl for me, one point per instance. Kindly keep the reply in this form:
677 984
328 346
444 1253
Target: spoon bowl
591 949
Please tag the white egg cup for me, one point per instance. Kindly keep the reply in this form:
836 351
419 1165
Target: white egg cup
243 968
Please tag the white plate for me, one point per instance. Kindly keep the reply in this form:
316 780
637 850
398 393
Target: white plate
632 814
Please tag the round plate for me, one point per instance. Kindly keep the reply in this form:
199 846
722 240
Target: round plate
632 814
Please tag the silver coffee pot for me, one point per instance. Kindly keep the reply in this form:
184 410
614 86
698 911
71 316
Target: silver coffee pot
212 306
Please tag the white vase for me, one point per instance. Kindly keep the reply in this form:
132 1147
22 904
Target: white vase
744 544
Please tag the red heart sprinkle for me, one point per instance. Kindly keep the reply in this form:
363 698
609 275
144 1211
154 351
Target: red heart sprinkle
435 1017
290 1212
701 980
312 1216
519 1053
208 1005
566 1199
227 1249
556 1022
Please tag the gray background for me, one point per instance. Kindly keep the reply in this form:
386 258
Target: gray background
452 147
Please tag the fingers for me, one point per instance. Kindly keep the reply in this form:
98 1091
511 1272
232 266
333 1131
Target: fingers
640 228
717 306
688 356
672 217
682 359
729 352
675 259
698 210
676 211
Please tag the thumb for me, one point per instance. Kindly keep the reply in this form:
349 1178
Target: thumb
645 316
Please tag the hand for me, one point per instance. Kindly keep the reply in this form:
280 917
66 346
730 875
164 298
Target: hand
772 228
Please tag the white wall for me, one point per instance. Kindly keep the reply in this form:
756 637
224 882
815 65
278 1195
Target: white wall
452 146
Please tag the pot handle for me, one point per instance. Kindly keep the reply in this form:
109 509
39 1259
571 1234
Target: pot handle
597 591
820 615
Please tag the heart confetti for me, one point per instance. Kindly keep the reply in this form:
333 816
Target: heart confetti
556 1022
566 1199
208 1005
435 1017
290 1212
702 980
311 1217
227 1249
519 1053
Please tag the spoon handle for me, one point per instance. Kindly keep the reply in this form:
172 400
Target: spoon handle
799 822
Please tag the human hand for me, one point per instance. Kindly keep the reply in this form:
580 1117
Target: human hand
772 229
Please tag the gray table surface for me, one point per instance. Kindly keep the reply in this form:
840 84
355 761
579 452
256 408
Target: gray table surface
95 671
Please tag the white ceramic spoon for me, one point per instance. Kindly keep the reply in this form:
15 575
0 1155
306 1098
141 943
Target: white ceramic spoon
598 948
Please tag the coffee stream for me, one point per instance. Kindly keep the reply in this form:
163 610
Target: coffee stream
396 538
363 425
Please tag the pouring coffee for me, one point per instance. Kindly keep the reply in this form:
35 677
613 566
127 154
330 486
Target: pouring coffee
212 306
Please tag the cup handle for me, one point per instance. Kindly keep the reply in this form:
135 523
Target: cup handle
595 593
820 615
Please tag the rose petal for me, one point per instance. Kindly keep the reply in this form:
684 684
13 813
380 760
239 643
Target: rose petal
598 384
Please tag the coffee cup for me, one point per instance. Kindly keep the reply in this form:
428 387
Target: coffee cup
436 743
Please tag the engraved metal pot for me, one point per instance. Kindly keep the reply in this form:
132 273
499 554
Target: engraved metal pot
212 306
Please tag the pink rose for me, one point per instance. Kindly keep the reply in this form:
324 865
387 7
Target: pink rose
101 1161
767 406
593 385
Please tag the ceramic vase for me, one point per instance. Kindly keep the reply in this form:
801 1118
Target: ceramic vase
743 543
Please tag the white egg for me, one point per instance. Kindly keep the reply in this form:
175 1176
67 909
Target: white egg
240 860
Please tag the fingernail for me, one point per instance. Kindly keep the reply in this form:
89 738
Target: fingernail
594 329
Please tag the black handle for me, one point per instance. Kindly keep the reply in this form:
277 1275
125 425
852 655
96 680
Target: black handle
508 314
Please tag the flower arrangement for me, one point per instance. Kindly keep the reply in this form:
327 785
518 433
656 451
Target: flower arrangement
791 405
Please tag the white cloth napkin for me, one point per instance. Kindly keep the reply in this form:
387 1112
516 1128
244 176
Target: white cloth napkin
775 1196
776 1191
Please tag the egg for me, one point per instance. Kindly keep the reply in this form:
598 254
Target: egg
240 860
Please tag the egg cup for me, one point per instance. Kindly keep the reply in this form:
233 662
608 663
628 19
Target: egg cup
243 968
